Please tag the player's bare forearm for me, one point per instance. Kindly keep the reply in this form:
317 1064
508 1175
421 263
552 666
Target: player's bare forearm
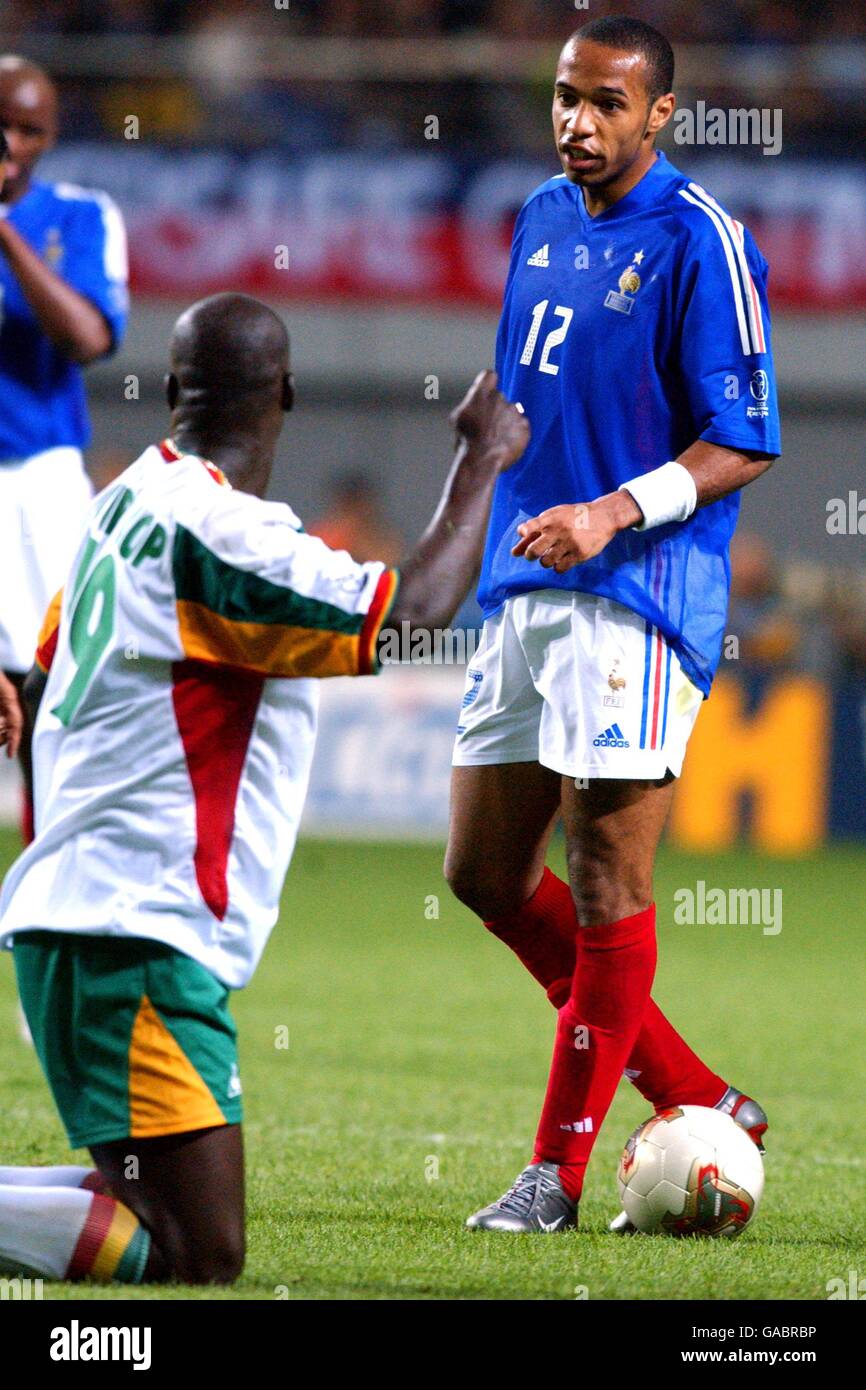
68 318
718 471
570 534
435 577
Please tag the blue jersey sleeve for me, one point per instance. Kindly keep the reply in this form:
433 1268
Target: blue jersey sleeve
725 359
95 263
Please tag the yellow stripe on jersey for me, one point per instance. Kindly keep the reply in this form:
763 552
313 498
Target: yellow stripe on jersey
271 649
47 642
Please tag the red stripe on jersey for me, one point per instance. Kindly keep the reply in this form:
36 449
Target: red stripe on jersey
45 653
753 295
96 1227
215 708
171 454
378 611
656 689
759 323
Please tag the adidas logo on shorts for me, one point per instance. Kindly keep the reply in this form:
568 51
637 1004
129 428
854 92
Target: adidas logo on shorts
611 738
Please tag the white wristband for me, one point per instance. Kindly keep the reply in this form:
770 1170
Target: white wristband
666 494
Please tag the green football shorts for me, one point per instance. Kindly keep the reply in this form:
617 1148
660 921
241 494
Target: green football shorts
135 1039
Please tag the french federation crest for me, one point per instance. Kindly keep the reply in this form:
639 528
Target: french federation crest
53 253
629 284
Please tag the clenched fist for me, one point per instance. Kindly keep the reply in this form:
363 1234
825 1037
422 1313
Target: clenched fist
490 423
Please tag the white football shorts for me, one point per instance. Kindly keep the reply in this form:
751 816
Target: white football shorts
580 684
44 502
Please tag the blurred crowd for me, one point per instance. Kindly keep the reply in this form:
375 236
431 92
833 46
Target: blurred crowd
738 21
211 96
795 616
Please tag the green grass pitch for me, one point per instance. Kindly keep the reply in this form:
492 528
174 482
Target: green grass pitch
415 1067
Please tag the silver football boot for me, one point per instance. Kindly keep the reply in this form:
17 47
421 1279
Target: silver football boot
536 1201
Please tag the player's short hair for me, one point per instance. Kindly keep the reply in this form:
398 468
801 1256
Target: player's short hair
228 345
633 36
4 148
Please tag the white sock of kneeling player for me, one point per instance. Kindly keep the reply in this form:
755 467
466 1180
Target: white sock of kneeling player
61 1175
70 1233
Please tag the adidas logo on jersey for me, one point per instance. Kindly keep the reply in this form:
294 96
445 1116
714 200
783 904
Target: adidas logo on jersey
611 738
541 257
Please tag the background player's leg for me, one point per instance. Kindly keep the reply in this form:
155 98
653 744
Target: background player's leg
188 1191
25 761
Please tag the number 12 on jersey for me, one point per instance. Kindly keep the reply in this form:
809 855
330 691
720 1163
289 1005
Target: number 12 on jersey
553 339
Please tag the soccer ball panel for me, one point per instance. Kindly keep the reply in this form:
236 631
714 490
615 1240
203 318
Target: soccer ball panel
647 1170
680 1155
638 1210
668 1199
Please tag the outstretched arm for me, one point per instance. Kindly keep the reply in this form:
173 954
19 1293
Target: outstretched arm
436 575
567 535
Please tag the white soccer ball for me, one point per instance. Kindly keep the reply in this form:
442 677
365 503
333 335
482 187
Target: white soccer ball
691 1171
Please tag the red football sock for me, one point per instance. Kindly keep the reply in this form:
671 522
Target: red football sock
595 1034
662 1066
665 1069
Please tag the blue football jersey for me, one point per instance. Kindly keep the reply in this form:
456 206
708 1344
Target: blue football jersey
80 234
626 337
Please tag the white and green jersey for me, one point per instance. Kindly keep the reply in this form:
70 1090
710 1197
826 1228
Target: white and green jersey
174 740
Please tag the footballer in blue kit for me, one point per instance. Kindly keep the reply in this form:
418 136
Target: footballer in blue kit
635 335
63 303
639 331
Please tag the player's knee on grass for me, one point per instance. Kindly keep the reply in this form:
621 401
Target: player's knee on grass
190 1256
188 1191
219 1260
